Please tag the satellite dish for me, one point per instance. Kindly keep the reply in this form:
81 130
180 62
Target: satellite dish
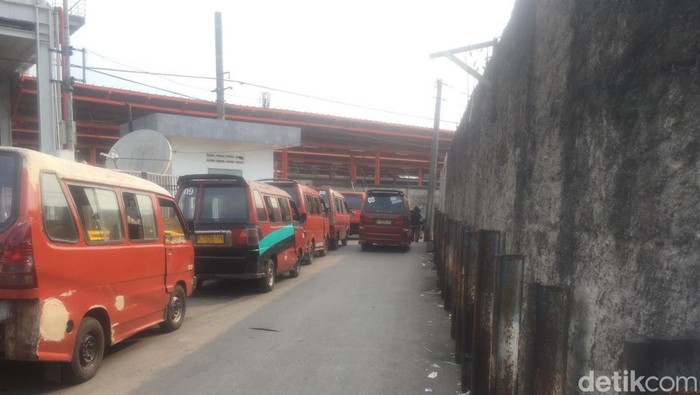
141 150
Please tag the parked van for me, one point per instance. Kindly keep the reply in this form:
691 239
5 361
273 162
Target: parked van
88 257
338 216
312 210
385 219
354 200
243 229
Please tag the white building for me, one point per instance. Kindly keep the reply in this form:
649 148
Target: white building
204 145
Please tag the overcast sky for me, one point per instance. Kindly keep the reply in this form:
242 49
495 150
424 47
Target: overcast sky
372 53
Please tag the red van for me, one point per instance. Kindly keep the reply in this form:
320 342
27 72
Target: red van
242 229
338 216
312 210
88 257
385 219
354 200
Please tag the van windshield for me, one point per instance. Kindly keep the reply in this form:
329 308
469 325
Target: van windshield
8 188
385 204
354 201
223 203
292 191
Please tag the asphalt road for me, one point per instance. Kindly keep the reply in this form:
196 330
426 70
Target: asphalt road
353 323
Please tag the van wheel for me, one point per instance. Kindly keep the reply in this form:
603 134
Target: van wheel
345 240
175 311
324 252
268 282
87 352
333 244
310 254
294 273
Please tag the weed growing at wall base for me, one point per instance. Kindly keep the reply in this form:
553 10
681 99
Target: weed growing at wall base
630 381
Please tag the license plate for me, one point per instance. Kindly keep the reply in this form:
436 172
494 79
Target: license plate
210 239
383 222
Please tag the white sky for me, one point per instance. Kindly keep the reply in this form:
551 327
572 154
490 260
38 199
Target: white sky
373 53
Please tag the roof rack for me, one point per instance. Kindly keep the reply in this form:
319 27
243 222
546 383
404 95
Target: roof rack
211 177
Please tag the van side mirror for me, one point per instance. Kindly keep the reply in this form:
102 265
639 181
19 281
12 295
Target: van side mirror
190 227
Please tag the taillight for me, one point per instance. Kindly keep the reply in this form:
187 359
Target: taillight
17 259
249 236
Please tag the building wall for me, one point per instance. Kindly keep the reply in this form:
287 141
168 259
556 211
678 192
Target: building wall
584 153
190 157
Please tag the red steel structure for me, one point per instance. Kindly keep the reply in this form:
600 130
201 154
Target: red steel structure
334 150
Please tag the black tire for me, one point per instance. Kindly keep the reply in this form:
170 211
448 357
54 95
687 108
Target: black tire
310 254
324 252
345 240
294 273
333 245
88 351
175 310
268 282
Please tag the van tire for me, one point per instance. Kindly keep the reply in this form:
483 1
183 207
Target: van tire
333 244
345 240
294 273
175 310
324 251
310 254
267 282
88 351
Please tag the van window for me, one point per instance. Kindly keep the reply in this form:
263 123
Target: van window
58 219
173 224
339 206
384 203
310 205
273 209
259 207
140 217
188 202
292 190
326 197
99 214
320 206
353 201
284 208
224 203
8 188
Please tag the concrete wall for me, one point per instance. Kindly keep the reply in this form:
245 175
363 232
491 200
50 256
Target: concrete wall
584 153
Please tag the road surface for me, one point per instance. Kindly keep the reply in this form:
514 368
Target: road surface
353 323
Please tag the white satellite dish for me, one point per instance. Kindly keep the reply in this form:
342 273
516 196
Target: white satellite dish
141 150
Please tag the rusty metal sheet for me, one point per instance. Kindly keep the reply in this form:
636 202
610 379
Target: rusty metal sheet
483 310
551 338
506 324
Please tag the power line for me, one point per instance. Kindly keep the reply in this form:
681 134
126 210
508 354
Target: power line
146 85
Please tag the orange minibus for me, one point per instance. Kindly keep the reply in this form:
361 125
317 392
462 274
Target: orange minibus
88 257
338 216
312 209
354 200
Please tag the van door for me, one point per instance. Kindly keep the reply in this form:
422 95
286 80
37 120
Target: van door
179 255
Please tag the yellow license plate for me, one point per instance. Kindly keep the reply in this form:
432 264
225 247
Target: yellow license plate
210 239
383 222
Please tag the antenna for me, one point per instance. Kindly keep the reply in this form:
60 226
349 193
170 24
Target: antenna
141 150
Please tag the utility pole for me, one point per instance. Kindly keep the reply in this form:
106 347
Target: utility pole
220 111
433 168
68 83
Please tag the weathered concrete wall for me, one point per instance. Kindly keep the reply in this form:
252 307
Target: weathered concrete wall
585 154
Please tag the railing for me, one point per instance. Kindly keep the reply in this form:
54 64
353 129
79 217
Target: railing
75 7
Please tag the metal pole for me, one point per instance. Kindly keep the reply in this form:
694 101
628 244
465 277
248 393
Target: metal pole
433 166
219 68
67 81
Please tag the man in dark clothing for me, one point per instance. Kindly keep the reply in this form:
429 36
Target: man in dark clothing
416 221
